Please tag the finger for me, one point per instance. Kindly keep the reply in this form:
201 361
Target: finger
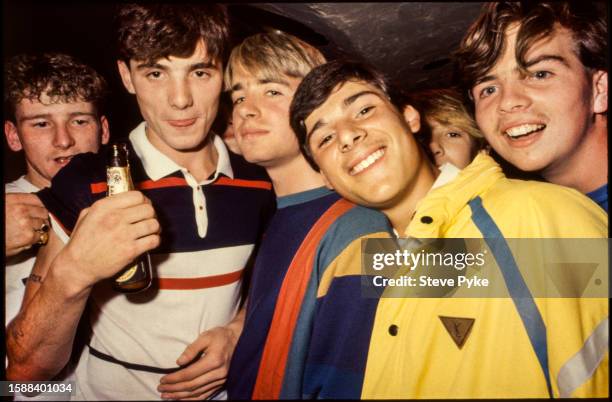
147 243
145 228
194 349
138 213
37 224
23 198
123 200
35 211
199 392
193 378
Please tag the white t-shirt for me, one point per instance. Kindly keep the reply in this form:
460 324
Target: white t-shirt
17 269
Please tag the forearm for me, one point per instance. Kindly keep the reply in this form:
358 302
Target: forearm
40 338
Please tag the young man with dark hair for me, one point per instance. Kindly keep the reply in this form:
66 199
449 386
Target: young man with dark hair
349 127
176 338
53 112
538 78
310 229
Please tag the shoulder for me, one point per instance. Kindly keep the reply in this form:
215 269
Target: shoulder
558 211
343 237
246 170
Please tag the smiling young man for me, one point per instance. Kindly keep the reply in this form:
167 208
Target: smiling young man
538 78
308 236
53 105
351 130
175 339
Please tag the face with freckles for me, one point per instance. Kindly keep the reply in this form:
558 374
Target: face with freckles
364 146
51 133
538 120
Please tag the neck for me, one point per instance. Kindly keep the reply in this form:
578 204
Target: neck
201 161
401 212
294 176
36 179
586 169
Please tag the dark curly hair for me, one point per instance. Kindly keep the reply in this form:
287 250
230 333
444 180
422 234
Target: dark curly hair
61 77
151 31
483 44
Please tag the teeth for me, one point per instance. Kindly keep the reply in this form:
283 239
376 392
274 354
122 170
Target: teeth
524 129
63 159
367 162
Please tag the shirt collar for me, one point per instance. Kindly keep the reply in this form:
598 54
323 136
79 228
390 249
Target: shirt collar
158 165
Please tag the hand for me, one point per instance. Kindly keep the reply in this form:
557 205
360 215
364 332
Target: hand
25 214
109 235
205 375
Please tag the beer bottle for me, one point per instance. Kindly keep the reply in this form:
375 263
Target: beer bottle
137 275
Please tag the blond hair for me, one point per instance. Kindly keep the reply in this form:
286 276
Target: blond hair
446 107
272 54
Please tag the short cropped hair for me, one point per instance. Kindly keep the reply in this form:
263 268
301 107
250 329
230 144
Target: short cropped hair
61 77
273 54
151 31
483 44
318 85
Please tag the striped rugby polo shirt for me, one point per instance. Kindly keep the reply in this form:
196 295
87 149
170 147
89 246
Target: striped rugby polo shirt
209 230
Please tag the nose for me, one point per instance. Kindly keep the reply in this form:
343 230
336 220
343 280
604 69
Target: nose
435 148
513 97
63 139
247 109
180 96
349 136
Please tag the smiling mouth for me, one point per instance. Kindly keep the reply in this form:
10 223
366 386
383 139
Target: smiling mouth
367 162
523 130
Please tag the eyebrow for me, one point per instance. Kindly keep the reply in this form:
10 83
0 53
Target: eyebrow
48 115
530 63
546 57
238 86
156 65
346 103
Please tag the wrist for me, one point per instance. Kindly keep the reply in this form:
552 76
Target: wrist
66 272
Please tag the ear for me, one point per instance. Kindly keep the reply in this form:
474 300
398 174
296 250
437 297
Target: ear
600 91
126 76
12 137
105 130
326 181
413 118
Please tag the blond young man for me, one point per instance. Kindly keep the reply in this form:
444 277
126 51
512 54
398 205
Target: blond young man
311 227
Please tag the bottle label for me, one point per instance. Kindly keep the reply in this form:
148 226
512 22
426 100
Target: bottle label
118 180
127 274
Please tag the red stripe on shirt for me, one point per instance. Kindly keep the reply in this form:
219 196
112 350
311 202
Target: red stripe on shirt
198 283
101 187
226 181
288 305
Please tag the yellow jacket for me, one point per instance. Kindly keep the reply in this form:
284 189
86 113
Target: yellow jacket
413 355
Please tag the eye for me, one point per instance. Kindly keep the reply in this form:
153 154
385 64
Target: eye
238 100
41 124
80 122
486 92
453 134
272 92
364 111
325 140
202 73
541 75
154 74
